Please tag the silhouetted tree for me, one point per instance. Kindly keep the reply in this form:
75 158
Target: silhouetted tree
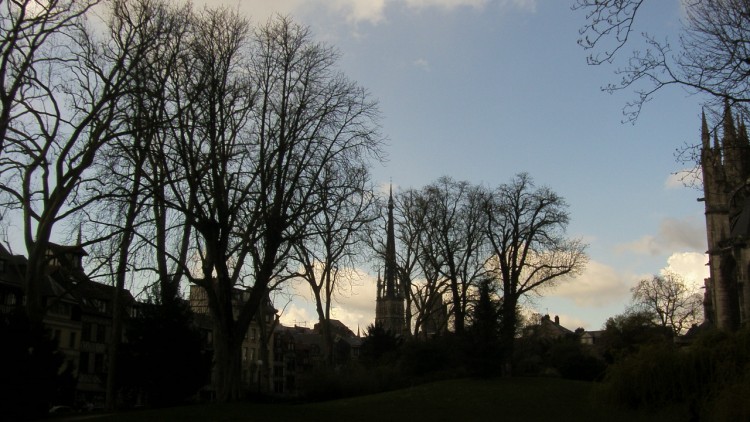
327 256
484 331
624 334
261 118
31 29
673 304
32 380
66 85
526 229
124 167
165 358
712 56
379 346
454 242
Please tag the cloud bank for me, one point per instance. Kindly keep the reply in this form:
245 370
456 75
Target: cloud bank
359 11
674 234
598 286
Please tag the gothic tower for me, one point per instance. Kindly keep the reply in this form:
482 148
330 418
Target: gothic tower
726 189
389 308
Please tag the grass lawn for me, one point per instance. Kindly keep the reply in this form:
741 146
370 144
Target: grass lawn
518 399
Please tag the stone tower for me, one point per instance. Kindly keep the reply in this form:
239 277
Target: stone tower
389 308
726 189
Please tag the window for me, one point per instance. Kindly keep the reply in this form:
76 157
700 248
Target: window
101 333
72 340
244 354
278 387
98 363
83 366
86 331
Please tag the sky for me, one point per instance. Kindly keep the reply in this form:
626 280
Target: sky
480 90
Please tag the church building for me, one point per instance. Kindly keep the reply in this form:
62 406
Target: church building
726 188
389 309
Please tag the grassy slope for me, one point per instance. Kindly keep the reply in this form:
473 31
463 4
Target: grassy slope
519 399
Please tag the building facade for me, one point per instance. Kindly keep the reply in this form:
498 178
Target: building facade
78 314
257 346
725 165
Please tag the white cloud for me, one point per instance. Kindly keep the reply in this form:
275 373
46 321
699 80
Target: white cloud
354 303
690 265
294 314
258 11
372 11
674 234
684 178
571 322
599 285
422 64
356 307
356 11
447 4
525 5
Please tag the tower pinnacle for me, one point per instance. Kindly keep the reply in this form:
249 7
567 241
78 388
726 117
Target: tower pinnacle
390 273
389 311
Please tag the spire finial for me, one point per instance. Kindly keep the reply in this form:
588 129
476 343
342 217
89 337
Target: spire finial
705 134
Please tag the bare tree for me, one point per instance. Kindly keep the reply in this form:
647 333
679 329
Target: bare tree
69 109
712 56
428 298
124 175
261 118
409 231
204 165
526 228
30 30
454 240
669 300
328 256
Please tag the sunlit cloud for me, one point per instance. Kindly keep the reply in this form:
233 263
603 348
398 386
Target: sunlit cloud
353 304
571 322
294 314
689 178
599 285
690 265
446 4
674 234
524 5
355 12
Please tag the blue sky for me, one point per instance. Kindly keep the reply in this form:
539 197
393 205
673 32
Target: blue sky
483 89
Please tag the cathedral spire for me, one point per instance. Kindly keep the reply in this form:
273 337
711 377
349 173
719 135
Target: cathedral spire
389 310
390 252
705 134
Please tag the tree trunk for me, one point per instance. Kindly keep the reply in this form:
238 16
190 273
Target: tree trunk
508 334
228 358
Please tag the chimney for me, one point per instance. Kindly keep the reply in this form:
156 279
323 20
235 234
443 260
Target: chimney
557 320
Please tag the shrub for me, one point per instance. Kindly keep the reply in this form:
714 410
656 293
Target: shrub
709 376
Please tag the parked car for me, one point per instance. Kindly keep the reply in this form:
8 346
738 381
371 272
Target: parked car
61 410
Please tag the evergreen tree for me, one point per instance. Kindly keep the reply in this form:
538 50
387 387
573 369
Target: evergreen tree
165 358
30 363
380 346
485 332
